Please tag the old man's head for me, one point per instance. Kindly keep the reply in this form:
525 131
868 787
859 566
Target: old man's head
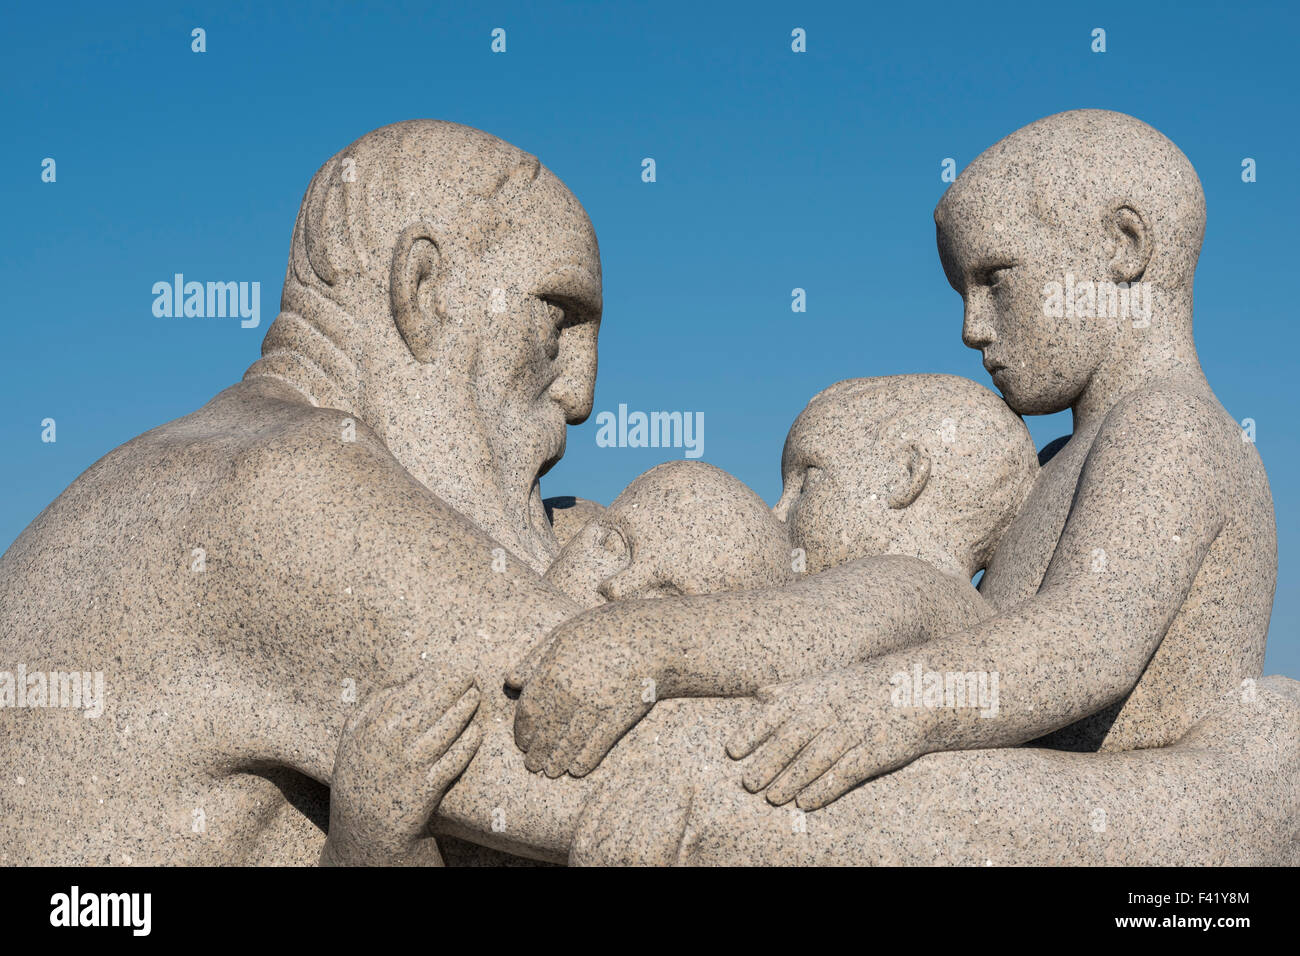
444 288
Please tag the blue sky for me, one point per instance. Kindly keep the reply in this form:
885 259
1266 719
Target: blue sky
775 170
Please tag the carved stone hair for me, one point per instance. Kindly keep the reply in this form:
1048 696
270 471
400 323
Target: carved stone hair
450 177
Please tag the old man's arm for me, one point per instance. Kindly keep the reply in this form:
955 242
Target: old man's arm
392 621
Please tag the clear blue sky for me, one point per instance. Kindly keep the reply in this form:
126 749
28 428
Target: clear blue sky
775 170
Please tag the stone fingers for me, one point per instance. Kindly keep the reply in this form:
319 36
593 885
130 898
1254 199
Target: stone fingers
815 759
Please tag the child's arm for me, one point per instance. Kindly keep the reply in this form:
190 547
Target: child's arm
602 671
1139 528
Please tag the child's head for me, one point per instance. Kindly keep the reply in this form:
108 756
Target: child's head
1065 240
684 527
928 465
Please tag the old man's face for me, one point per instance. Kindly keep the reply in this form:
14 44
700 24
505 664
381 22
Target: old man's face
530 306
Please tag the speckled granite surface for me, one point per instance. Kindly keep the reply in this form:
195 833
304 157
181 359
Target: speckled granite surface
312 602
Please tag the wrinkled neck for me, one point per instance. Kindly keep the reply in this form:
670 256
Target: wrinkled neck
448 450
305 352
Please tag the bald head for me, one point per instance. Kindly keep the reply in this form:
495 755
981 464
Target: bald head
1066 239
915 464
448 177
1073 169
683 527
425 194
444 288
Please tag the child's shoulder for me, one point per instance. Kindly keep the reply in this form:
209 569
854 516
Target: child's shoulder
1173 429
1169 411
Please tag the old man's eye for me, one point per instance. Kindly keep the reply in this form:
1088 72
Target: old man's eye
552 326
559 311
811 475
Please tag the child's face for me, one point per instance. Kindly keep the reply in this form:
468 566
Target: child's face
597 564
1003 262
682 528
834 499
927 465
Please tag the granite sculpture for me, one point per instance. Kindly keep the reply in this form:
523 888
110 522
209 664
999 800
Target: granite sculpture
315 600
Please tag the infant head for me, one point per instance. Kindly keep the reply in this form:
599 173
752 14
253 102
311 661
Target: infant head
684 527
933 466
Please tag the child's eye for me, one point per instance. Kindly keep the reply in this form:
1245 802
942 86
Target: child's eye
811 475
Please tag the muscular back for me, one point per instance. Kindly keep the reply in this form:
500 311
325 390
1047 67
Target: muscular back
241 576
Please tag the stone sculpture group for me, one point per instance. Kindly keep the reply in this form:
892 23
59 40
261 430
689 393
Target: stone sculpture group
390 649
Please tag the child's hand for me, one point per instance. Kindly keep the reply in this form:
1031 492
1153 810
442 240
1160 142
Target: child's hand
818 738
397 756
590 687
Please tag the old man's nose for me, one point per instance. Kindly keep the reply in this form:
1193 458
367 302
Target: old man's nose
574 398
575 383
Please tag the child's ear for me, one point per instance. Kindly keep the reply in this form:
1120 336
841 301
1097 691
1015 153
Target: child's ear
911 474
1133 244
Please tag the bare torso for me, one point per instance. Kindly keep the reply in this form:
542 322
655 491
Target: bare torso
217 740
1216 639
241 576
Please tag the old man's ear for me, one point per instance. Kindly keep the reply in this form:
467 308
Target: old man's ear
909 474
414 288
1134 244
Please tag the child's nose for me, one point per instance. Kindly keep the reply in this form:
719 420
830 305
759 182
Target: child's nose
977 327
